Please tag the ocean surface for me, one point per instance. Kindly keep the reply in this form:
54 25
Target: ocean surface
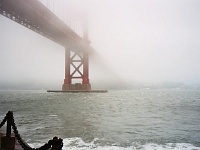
145 119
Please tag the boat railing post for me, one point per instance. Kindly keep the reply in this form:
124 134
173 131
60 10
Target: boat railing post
8 130
8 141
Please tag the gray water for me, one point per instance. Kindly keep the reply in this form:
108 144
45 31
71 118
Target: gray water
127 119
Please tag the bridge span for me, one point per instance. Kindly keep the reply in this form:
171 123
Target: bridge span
35 16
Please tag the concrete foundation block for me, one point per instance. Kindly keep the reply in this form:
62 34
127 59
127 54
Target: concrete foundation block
76 87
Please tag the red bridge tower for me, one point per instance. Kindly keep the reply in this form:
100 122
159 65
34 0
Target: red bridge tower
77 65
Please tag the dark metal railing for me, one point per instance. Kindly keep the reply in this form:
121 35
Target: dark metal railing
8 142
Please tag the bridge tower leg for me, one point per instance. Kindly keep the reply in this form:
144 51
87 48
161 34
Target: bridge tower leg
85 79
68 79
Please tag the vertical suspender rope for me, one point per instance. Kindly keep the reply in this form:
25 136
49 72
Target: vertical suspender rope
53 7
63 5
48 4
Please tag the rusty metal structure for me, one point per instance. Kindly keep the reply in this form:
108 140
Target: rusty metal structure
35 16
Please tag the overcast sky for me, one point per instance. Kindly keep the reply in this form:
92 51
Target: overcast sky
140 40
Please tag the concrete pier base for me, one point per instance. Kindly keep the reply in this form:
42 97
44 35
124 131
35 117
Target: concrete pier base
76 87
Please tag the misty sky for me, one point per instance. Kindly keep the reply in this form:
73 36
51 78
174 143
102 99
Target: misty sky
139 40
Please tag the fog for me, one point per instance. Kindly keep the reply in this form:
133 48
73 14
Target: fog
146 41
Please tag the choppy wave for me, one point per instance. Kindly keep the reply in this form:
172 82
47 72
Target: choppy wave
135 119
79 144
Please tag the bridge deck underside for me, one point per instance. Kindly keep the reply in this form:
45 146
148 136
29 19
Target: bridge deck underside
35 16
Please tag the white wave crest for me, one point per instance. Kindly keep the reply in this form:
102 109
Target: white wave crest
79 144
170 146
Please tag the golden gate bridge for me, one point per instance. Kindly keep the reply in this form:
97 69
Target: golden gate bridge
45 18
